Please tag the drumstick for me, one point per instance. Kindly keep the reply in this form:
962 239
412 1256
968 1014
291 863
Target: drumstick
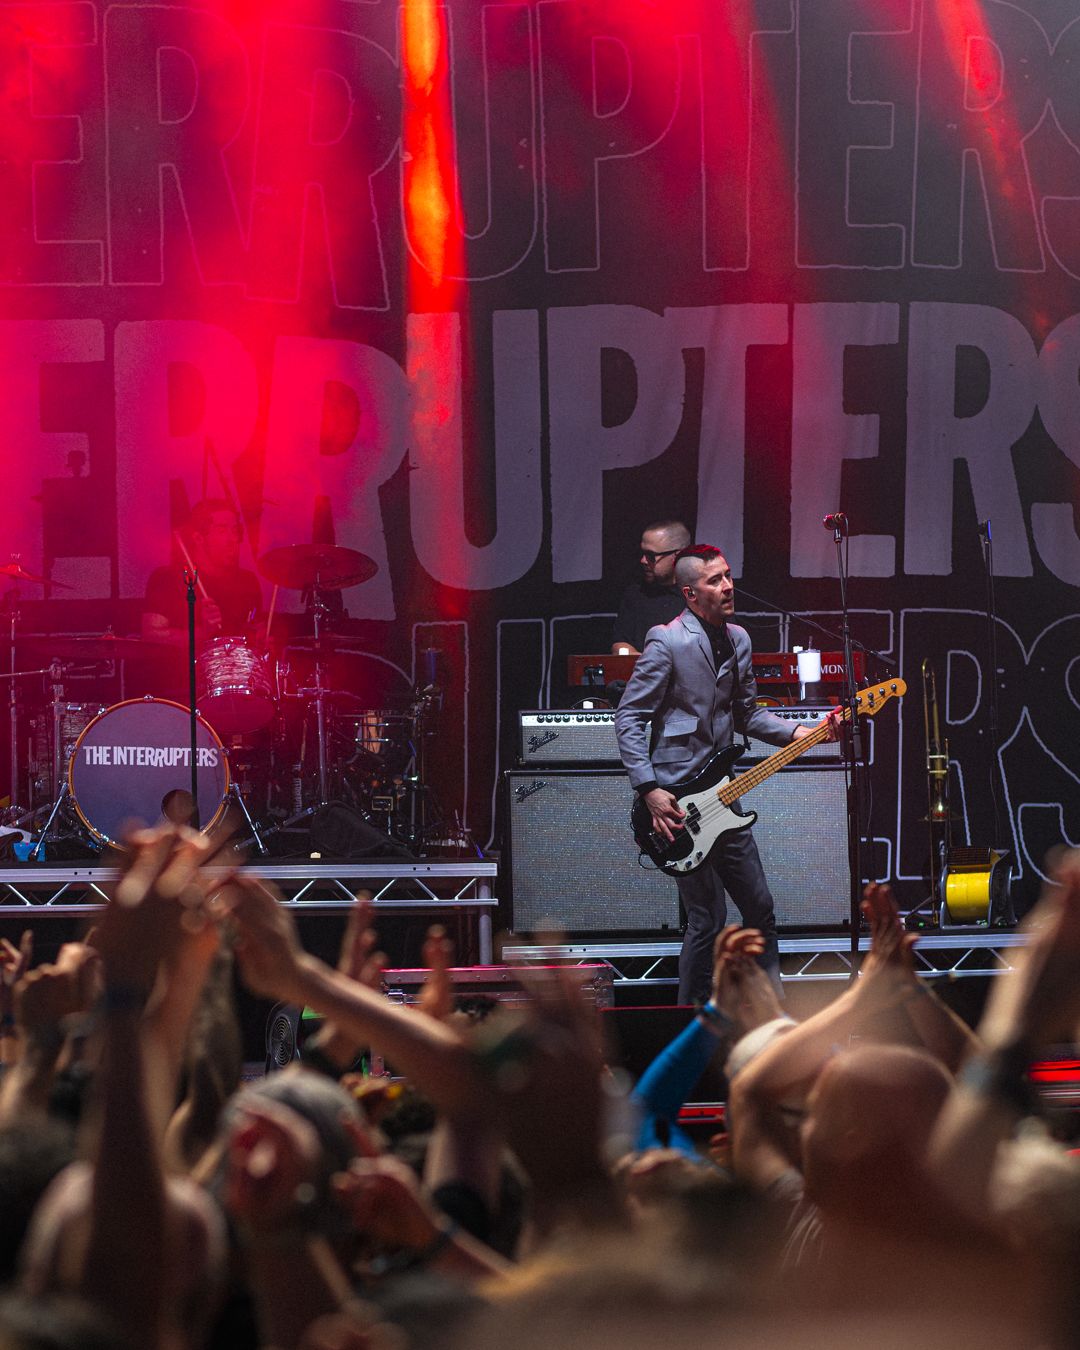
270 615
191 566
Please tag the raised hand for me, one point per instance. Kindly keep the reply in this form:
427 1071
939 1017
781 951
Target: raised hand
741 989
358 960
267 945
344 1331
888 972
14 963
358 957
52 992
272 1165
437 995
384 1200
1040 1001
543 1074
157 899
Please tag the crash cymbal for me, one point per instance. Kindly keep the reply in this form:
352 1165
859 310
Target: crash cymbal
92 647
324 567
15 571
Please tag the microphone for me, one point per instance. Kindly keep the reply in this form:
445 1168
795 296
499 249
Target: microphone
836 521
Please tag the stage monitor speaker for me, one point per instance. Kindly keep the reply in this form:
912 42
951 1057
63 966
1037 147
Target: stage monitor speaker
574 865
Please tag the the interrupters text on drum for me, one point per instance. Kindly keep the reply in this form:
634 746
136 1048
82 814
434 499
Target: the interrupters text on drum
151 756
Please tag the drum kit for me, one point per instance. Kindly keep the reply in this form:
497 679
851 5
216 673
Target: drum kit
275 740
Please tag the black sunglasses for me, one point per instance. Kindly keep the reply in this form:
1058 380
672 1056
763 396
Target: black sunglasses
654 557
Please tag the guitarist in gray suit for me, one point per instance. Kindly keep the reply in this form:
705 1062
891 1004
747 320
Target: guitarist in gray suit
692 688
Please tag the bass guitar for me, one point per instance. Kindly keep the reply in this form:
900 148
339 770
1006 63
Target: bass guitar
710 801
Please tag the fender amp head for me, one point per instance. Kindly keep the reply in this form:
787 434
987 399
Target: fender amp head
567 736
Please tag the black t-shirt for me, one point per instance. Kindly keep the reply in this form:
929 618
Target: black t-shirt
163 670
237 594
642 607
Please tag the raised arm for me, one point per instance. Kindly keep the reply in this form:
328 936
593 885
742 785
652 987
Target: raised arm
274 964
1037 1004
778 1080
44 1002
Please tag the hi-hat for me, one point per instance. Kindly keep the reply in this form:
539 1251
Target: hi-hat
322 567
15 571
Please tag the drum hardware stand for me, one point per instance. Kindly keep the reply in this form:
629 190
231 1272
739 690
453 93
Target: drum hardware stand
61 796
191 578
319 612
15 814
427 700
254 837
60 783
56 680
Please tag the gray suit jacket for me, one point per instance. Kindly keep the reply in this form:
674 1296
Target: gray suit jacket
678 710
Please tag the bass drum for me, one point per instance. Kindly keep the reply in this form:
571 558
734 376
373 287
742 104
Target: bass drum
132 766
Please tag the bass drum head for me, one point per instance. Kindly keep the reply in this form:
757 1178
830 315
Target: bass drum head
132 765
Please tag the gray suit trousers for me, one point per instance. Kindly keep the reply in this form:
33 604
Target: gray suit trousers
735 867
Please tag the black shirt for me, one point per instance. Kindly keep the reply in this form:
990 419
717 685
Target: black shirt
163 671
237 594
643 606
721 643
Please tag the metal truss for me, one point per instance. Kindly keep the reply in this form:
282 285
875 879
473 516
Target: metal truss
957 954
465 888
326 886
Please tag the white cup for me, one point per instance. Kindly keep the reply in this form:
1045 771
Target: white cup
809 666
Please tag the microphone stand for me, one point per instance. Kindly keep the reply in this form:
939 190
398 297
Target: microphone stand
190 580
987 543
852 741
1005 915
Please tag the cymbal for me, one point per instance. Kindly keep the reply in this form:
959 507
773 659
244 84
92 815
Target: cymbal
324 567
17 572
92 647
329 642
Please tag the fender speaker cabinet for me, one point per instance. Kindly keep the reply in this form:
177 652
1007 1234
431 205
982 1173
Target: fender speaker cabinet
573 863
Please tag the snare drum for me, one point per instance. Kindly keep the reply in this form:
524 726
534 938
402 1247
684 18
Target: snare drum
234 684
134 756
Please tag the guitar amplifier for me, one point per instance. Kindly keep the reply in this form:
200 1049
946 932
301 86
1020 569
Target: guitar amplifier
808 715
573 865
587 736
567 736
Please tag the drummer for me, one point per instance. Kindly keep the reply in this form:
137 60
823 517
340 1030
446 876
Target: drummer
228 595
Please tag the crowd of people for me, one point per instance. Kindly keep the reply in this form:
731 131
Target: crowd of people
886 1176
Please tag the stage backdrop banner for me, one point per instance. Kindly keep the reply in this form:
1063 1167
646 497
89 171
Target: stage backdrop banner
480 290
